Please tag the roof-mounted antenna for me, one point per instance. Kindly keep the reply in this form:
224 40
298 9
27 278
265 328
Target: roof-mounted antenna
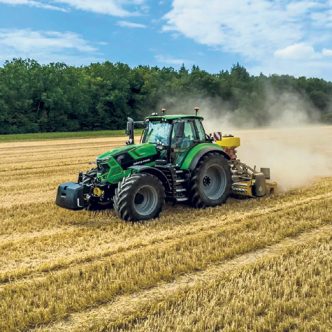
196 110
163 111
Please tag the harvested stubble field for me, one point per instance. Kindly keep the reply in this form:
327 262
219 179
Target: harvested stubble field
259 265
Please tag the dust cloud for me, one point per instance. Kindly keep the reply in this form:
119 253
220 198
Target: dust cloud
284 134
296 156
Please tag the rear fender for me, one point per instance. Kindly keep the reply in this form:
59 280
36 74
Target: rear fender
198 152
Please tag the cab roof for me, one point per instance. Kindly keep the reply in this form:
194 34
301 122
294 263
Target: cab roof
172 117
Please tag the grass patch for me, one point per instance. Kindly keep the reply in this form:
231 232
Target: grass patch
62 135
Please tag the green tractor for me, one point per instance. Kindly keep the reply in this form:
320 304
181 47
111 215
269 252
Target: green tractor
175 161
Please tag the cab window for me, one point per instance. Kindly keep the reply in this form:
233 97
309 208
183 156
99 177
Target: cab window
200 130
157 132
184 134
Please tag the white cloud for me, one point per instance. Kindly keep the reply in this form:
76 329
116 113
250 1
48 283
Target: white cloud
323 17
171 61
298 51
298 60
32 3
310 68
45 46
250 28
260 31
132 25
327 52
119 8
111 7
302 51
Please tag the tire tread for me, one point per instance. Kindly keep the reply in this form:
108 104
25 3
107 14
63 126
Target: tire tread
195 197
120 199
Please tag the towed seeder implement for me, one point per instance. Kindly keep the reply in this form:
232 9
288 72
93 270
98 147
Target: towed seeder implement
246 181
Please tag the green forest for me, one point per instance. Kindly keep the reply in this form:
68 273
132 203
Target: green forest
57 97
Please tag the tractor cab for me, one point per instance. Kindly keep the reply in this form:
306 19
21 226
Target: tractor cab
174 135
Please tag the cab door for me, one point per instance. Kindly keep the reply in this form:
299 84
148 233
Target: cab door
184 137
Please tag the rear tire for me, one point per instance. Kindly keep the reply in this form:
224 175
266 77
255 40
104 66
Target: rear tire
139 197
211 181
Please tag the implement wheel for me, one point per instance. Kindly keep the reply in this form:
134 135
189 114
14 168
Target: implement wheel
211 181
139 197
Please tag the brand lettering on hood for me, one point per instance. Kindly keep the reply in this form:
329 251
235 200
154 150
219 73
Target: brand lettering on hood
142 161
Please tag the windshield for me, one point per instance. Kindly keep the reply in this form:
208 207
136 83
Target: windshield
157 132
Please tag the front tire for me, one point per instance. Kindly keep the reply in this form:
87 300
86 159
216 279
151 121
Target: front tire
211 181
139 197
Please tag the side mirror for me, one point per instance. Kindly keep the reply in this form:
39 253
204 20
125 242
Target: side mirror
130 131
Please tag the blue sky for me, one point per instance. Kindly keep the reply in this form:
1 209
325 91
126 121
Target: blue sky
283 37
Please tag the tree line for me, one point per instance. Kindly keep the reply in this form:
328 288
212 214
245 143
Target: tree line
58 97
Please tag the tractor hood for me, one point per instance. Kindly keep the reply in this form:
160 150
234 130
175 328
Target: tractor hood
112 165
135 152
115 152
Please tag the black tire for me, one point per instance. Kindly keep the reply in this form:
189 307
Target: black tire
210 182
139 197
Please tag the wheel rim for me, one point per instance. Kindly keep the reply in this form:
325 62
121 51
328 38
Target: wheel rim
145 200
214 182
